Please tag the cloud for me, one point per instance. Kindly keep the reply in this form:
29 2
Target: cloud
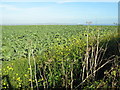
91 0
16 14
66 1
12 14
60 1
8 7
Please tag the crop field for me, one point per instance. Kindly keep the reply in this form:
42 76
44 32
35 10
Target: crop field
60 56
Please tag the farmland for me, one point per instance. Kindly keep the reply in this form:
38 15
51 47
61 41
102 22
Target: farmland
60 56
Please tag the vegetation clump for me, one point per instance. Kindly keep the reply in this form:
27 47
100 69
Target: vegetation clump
60 56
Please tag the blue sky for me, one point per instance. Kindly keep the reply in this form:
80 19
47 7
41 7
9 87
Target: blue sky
59 12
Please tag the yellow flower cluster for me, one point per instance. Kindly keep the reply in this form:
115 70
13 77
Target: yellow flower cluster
26 75
30 79
18 79
9 68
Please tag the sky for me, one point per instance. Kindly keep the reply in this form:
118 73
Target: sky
58 12
60 0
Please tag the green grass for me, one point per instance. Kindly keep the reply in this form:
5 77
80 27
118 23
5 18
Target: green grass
55 50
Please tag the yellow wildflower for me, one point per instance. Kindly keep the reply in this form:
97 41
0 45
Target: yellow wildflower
4 83
10 68
7 66
25 75
18 79
28 68
30 79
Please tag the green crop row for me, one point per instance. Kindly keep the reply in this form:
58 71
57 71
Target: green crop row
50 56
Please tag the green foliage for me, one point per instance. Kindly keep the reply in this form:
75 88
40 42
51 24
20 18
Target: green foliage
16 72
55 49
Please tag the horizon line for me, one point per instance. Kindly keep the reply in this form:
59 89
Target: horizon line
55 24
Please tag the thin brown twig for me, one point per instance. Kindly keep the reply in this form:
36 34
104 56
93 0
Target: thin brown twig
93 73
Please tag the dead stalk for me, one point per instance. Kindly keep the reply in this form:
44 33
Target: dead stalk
71 76
63 69
35 70
44 71
96 54
29 54
41 77
93 73
87 58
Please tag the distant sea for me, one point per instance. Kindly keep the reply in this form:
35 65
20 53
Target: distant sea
62 24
